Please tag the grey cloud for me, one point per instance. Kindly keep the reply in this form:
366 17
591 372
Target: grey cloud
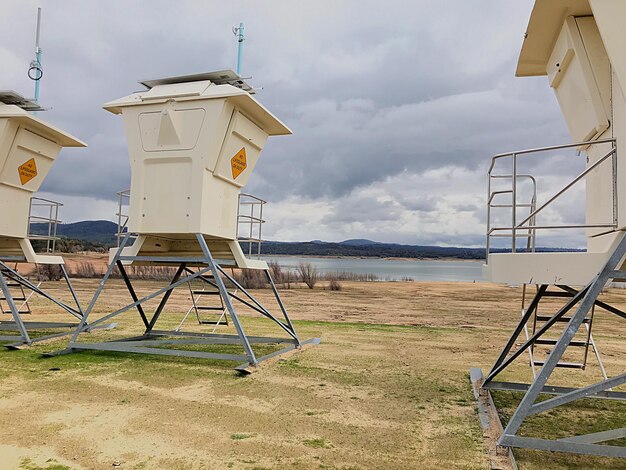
419 203
363 210
373 103
466 207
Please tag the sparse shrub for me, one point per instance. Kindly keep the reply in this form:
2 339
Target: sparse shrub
349 276
308 274
154 273
48 272
251 278
288 278
85 270
276 271
334 284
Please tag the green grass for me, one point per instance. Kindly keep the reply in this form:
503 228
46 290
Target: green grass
576 418
240 436
317 443
27 464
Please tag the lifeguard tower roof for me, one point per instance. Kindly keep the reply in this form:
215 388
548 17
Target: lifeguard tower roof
206 85
221 77
19 110
544 26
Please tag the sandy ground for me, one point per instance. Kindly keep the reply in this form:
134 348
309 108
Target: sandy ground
387 388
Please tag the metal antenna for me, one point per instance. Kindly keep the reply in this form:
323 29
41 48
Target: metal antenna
35 70
240 39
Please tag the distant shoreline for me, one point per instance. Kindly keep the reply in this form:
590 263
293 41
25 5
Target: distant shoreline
391 258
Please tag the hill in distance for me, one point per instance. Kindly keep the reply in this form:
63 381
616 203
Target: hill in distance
103 233
358 242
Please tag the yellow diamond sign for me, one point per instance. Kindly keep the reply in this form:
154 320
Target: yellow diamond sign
238 163
27 171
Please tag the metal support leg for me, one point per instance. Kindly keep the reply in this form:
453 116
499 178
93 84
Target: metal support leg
71 288
527 405
131 291
225 296
164 343
282 307
562 311
518 330
256 305
96 295
17 277
13 308
166 297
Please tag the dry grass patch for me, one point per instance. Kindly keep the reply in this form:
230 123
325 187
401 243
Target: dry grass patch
387 388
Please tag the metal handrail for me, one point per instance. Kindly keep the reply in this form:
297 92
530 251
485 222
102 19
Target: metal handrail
52 219
253 220
531 233
530 219
569 185
548 149
122 218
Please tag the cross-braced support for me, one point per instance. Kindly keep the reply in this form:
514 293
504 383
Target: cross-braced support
10 276
155 341
581 302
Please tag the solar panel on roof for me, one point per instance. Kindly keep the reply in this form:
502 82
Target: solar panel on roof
11 97
222 77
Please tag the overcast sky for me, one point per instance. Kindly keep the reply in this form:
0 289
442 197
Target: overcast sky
396 106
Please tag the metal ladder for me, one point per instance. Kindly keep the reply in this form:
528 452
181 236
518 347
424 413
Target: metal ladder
207 292
249 235
18 294
584 339
200 298
583 342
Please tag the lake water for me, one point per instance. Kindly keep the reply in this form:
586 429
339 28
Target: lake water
388 269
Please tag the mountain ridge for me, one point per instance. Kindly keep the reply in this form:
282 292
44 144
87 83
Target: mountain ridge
104 233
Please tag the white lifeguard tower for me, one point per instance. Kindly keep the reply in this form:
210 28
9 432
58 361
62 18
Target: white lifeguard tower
578 45
193 143
28 148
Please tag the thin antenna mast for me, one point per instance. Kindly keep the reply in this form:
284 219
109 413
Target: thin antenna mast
35 70
240 39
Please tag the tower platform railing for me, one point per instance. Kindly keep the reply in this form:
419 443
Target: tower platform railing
526 227
250 224
44 211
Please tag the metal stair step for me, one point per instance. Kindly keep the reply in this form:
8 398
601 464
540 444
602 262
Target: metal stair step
560 320
567 365
557 294
17 299
552 342
206 292
21 312
208 322
201 307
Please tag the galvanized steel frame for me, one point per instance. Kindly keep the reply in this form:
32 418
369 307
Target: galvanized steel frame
22 327
147 342
586 298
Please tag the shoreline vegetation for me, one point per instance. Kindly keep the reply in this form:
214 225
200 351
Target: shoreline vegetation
93 266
